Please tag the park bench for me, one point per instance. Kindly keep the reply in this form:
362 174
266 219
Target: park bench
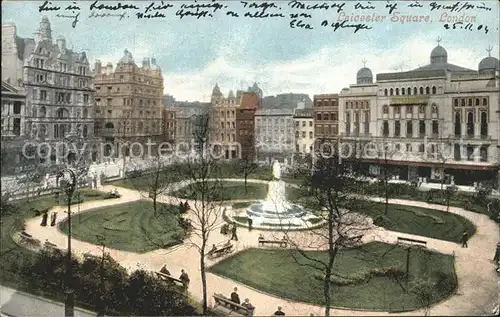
282 243
49 245
28 239
421 243
221 300
168 278
220 251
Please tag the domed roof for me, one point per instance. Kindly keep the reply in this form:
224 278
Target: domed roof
364 72
489 63
127 58
439 55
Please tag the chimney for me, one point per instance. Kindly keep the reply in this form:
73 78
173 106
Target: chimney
97 67
109 69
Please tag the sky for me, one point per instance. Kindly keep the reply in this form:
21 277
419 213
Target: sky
195 54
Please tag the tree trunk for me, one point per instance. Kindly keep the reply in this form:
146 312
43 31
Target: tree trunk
246 177
203 276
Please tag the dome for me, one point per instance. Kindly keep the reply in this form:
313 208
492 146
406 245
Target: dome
439 55
489 64
127 58
364 76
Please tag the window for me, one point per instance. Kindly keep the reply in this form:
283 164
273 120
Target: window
415 90
408 147
456 102
409 110
421 148
470 153
470 102
397 110
435 127
385 109
385 92
310 123
458 124
43 112
303 123
17 107
392 92
421 109
356 123
483 153
326 116
409 128
485 102
470 124
43 95
397 128
457 151
421 90
427 91
434 109
85 98
421 127
434 90
409 91
367 123
462 102
397 91
385 128
348 123
318 116
402 91
310 134
303 134
484 124
85 131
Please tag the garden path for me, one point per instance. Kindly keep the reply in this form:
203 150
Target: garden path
474 268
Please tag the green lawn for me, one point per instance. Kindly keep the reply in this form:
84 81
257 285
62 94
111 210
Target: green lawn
12 255
229 191
364 284
130 227
419 221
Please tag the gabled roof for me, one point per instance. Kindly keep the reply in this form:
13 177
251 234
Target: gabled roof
9 88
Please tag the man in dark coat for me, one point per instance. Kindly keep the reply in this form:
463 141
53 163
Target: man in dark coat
465 239
235 298
233 233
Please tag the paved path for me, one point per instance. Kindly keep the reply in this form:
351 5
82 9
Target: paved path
19 304
475 271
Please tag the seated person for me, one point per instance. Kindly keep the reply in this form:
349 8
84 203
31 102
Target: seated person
214 248
235 298
248 306
164 270
261 236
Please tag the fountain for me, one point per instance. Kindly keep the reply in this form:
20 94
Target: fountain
276 212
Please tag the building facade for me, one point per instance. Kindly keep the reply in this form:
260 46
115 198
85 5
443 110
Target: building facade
275 135
326 130
440 120
169 125
245 129
59 90
129 103
304 131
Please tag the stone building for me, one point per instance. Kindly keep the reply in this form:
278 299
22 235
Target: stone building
168 124
440 120
129 103
222 123
326 107
245 117
304 130
59 89
275 135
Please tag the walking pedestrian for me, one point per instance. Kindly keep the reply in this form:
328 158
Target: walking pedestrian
184 278
53 219
250 223
233 233
496 258
44 219
465 239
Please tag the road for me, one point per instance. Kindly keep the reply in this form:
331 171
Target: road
18 304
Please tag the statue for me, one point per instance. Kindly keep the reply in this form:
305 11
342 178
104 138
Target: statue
276 169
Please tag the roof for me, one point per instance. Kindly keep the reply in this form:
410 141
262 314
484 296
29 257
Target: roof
304 113
274 112
446 66
249 100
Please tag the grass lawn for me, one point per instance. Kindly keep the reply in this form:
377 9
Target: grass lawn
229 191
364 286
420 221
130 227
12 255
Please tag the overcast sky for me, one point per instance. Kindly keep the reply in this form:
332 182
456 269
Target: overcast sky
235 52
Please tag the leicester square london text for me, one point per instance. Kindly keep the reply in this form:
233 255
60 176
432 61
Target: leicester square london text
398 17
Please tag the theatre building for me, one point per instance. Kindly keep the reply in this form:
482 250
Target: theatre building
440 121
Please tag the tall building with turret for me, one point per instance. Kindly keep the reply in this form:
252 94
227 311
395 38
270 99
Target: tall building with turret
129 103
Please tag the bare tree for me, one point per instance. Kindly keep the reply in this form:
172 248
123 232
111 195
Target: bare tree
386 150
327 189
246 163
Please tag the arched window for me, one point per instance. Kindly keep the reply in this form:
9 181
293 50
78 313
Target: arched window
34 114
386 92
427 91
385 128
421 109
397 91
347 123
434 109
43 112
385 109
56 131
42 131
484 124
85 113
409 91
458 124
356 122
402 91
109 125
421 90
434 90
62 113
415 91
485 102
470 124
392 92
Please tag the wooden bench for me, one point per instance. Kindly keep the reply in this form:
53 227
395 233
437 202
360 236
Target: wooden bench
220 251
221 300
49 245
168 278
282 243
421 243
88 256
28 239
